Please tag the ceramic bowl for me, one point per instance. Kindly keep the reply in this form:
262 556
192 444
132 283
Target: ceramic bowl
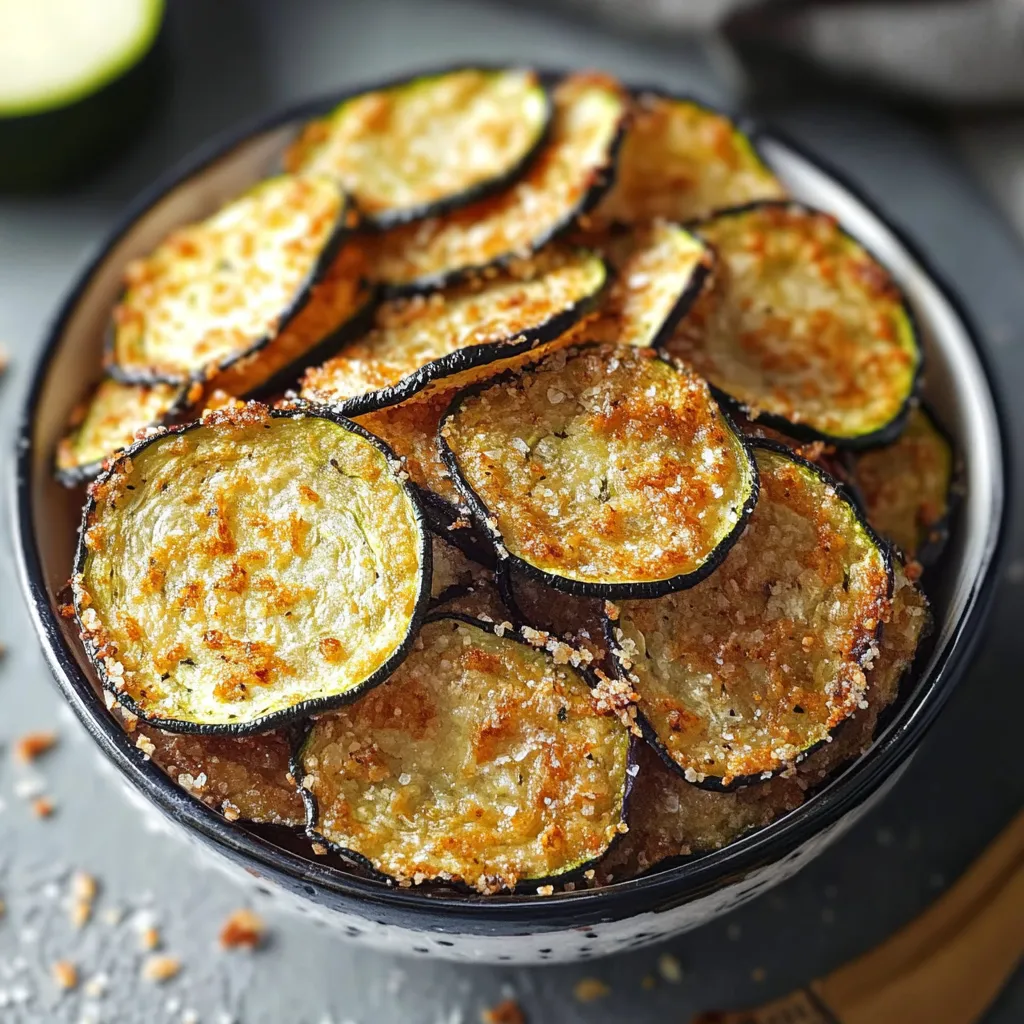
522 929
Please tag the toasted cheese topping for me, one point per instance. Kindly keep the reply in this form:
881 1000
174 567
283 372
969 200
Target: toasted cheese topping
743 673
906 485
682 161
603 466
425 338
110 418
801 323
403 149
248 566
481 760
214 290
559 183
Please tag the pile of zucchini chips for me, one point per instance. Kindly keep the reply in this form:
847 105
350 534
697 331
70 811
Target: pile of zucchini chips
515 492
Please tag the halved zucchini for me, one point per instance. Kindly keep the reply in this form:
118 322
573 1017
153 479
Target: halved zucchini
605 471
244 777
251 567
430 144
108 421
906 487
565 180
482 761
682 160
426 339
216 291
660 269
747 672
802 327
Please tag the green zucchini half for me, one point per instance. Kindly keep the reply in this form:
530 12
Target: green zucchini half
568 176
424 339
220 290
906 487
603 471
428 145
249 568
483 761
746 673
802 328
682 160
108 420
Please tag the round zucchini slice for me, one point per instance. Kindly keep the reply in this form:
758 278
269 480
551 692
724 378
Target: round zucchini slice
246 778
219 290
482 761
424 339
426 146
660 269
108 421
249 568
906 487
802 327
747 672
567 178
605 471
682 160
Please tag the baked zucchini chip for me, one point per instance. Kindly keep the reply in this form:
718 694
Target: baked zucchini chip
682 160
906 487
425 339
244 777
428 145
108 421
749 671
660 269
802 328
219 290
482 761
568 176
251 567
605 471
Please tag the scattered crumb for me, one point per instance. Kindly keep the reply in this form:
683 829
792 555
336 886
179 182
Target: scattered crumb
113 916
96 986
149 938
670 968
33 745
3 908
545 890
160 968
83 894
43 807
758 974
243 928
5 358
589 990
506 1012
65 974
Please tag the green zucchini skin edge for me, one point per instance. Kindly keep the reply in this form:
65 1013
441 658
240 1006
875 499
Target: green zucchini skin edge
883 435
711 782
483 189
76 476
526 887
472 356
305 708
339 237
582 588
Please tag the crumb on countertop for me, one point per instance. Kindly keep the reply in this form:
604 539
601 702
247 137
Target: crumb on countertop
589 990
243 929
43 807
508 1011
33 745
65 975
670 968
159 968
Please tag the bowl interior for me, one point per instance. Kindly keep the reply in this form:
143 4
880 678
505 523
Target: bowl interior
47 514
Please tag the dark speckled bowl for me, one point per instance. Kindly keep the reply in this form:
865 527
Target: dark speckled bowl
514 928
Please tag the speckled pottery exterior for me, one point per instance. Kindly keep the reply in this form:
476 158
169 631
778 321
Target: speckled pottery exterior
515 929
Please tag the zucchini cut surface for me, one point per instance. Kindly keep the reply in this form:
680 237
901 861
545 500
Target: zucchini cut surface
567 177
606 471
906 486
217 290
428 144
681 161
802 327
746 672
481 761
250 567
107 421
427 338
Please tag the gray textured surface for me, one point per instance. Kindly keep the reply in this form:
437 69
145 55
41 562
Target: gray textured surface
953 799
